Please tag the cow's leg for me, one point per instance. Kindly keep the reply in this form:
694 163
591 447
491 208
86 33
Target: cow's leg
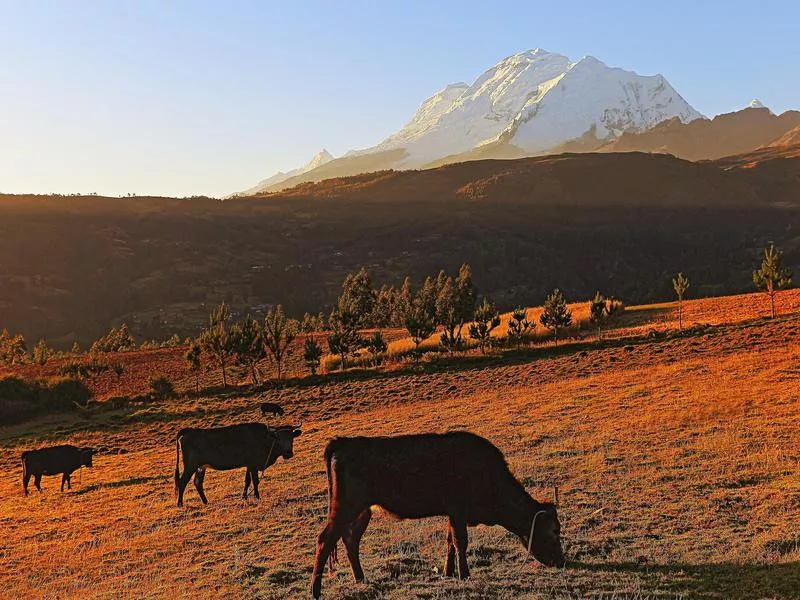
63 481
37 481
254 476
328 538
461 539
246 483
199 476
450 561
183 482
25 480
352 542
69 480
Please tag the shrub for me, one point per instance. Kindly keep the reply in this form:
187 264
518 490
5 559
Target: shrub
21 400
161 388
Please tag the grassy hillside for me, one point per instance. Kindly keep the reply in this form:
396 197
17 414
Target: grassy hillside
72 267
676 456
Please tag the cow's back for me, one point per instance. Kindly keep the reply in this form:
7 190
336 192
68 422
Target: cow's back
421 475
227 447
53 460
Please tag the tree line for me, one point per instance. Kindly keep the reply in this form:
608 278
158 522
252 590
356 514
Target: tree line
448 303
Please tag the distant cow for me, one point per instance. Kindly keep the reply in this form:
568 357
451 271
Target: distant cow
254 446
458 475
270 408
57 460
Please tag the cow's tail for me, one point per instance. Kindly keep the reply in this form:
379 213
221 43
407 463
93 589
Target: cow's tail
177 463
332 557
24 470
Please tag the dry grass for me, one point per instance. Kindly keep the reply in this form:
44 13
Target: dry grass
678 461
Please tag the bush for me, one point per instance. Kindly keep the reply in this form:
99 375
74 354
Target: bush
21 400
161 388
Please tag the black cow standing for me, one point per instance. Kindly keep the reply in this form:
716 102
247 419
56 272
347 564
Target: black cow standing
57 460
254 446
270 408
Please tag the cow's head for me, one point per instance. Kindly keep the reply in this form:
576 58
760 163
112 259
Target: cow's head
86 456
284 444
544 542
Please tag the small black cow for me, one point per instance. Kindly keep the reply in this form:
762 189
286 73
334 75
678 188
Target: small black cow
57 460
254 446
270 408
458 475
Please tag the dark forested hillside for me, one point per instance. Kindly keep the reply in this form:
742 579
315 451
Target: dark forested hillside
70 267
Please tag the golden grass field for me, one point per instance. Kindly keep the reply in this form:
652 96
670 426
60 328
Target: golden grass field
677 458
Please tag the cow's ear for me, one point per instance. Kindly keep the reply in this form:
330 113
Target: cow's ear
296 433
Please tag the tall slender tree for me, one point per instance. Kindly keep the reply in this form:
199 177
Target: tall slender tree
247 339
680 284
194 361
216 341
773 275
279 332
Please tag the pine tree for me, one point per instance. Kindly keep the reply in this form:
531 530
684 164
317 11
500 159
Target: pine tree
76 349
680 284
279 333
344 338
420 321
772 276
312 354
376 346
194 360
41 353
13 350
519 326
216 341
599 310
485 320
556 314
248 345
455 305
358 298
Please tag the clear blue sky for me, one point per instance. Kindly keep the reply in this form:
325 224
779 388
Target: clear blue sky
194 97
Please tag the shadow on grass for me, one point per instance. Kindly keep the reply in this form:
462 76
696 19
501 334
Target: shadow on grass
715 580
121 483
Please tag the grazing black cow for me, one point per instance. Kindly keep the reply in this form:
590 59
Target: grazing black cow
270 408
57 460
254 446
458 475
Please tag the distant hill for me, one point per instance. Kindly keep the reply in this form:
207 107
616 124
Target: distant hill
70 267
704 139
790 138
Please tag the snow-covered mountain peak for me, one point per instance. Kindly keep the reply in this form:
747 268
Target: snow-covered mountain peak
535 101
320 158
